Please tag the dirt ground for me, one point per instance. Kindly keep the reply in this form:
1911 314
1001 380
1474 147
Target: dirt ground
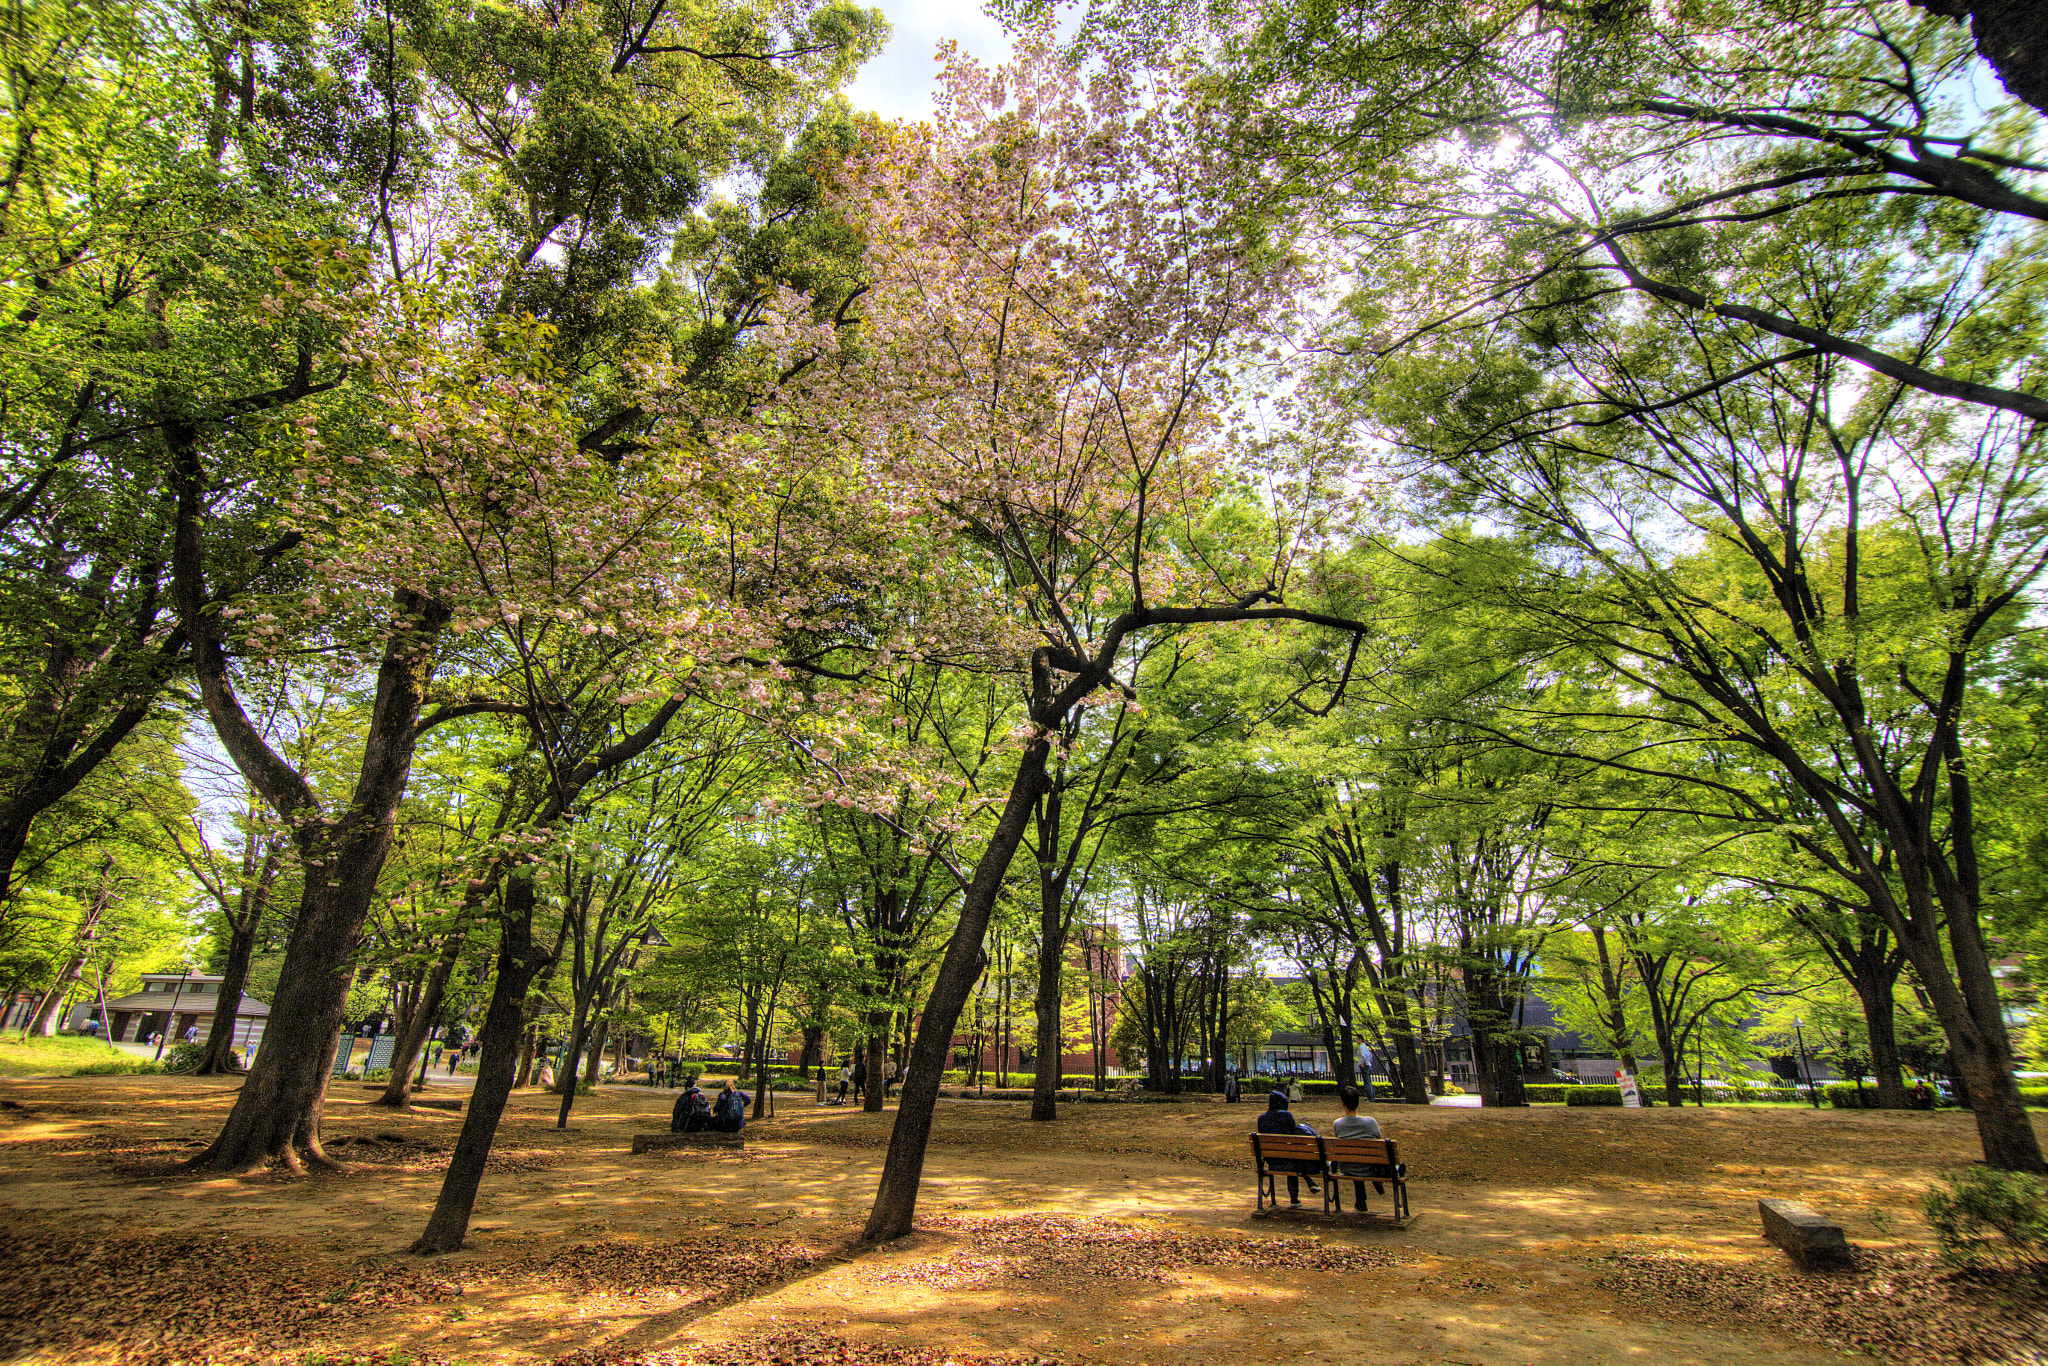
1122 1234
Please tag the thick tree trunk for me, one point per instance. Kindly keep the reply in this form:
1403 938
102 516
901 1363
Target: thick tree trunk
518 963
412 1035
903 1169
2012 35
276 1117
1414 1082
277 1112
1967 1006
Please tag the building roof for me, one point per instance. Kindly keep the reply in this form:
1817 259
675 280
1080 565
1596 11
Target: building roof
188 1003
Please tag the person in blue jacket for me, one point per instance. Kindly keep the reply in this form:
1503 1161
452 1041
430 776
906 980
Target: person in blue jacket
729 1111
1278 1119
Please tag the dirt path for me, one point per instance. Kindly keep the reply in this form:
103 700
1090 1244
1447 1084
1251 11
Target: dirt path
1120 1235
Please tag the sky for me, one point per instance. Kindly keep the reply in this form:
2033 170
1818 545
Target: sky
898 83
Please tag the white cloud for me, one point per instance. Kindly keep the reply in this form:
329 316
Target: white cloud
898 84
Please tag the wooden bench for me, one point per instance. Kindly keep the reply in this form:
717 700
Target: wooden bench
1321 1158
702 1138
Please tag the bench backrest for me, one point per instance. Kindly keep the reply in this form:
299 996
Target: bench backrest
1286 1147
1361 1150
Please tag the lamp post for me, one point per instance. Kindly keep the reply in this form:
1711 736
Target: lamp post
171 1016
1805 1061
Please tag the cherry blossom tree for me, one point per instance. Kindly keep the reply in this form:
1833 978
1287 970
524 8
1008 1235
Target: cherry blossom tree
1062 316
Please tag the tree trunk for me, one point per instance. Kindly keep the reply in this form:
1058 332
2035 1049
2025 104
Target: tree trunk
572 1061
593 1055
50 1008
903 1169
1880 1019
1414 1082
1973 1023
878 1060
763 1087
277 1112
1045 1081
412 1036
528 1043
276 1117
234 977
518 963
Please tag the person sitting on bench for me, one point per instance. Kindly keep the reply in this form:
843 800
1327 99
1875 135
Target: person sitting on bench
1351 1124
729 1111
1278 1119
691 1115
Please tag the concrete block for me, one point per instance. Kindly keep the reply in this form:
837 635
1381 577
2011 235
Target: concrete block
1811 1241
702 1139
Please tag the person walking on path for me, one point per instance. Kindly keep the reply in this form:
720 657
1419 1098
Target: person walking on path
1230 1096
1351 1124
860 1076
1278 1119
845 1080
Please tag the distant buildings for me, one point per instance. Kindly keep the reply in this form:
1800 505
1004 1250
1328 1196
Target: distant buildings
174 1003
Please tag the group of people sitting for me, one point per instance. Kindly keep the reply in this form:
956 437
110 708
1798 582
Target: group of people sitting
727 1114
1278 1119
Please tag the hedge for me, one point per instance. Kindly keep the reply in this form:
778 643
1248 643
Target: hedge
1843 1096
1590 1095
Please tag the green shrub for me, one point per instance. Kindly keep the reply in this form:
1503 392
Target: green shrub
119 1067
2035 1096
184 1057
1592 1095
1985 1216
1845 1095
1547 1093
377 1074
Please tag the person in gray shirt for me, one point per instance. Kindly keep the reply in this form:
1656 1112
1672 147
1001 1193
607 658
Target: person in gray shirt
1351 1124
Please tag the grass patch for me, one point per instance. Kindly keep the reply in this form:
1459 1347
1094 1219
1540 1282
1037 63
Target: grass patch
66 1056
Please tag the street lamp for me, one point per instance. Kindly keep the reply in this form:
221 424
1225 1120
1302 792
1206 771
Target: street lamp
1806 1061
171 1016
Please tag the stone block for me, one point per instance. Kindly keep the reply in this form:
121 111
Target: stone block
1811 1241
702 1139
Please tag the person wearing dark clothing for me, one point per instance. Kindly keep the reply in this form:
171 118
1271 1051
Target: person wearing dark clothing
1278 1119
1230 1095
860 1075
691 1114
729 1111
